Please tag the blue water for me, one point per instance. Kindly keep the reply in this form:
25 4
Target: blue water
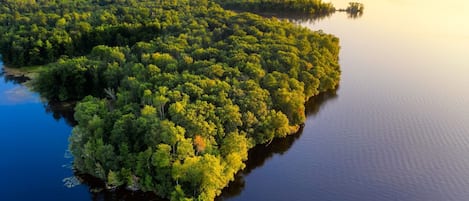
33 160
396 130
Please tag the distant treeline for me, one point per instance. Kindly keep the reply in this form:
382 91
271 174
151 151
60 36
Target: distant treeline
302 9
314 7
172 94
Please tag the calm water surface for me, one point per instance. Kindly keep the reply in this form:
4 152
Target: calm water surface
34 161
397 129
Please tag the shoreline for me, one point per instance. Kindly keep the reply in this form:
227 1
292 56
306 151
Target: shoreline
29 72
24 75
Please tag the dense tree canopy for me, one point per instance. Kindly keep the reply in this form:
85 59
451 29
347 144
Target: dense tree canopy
172 94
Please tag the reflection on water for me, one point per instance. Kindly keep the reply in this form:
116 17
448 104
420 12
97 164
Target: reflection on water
12 78
400 129
15 79
61 110
98 192
296 17
354 15
16 94
305 17
32 166
20 94
262 153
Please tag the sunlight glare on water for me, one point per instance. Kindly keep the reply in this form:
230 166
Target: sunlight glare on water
399 126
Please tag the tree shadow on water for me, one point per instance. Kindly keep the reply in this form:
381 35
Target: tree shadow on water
262 153
98 191
296 17
15 79
61 110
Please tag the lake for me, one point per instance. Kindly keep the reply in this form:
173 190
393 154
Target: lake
34 161
396 129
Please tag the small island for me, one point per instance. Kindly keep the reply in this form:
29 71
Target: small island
171 95
354 9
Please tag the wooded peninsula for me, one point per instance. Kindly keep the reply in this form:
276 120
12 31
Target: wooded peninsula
172 93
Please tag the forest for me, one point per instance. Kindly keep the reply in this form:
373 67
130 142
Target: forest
171 94
311 7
